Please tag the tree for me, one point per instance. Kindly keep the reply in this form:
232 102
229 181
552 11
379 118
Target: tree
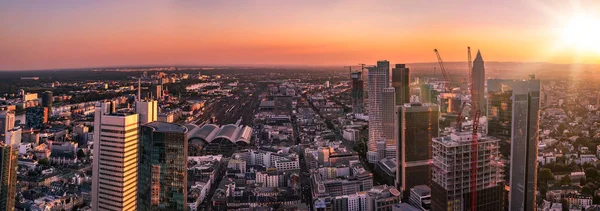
565 204
591 174
566 180
545 175
80 154
44 162
561 127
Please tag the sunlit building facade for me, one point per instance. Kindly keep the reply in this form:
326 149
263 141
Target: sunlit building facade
115 163
389 109
8 176
379 79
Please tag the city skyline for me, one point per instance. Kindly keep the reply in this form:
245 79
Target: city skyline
292 33
340 105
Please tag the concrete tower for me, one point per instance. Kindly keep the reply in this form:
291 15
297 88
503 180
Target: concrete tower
450 188
115 166
147 110
389 120
7 121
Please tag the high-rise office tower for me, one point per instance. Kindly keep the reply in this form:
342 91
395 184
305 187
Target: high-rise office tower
417 125
163 167
389 119
7 121
358 106
401 82
13 137
47 101
157 91
451 173
426 93
147 111
478 73
379 79
513 116
115 165
8 176
36 117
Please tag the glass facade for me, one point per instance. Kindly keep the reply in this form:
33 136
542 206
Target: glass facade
418 125
514 118
163 167
357 93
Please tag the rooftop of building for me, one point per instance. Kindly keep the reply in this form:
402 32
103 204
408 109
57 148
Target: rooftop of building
421 190
167 127
404 207
463 138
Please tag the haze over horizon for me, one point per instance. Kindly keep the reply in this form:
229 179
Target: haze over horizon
85 34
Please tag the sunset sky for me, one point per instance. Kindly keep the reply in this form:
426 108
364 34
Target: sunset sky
79 33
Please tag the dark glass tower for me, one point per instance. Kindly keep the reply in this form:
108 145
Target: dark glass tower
162 183
513 113
47 101
401 83
358 105
36 117
418 125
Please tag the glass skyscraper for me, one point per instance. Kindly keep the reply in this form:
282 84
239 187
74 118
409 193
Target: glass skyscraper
163 167
418 124
358 106
513 115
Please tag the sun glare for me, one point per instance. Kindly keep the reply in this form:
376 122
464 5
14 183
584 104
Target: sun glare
582 33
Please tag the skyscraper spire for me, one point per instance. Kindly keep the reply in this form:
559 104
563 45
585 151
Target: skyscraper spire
478 57
139 95
478 93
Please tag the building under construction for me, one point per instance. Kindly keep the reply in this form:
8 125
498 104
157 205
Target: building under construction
451 173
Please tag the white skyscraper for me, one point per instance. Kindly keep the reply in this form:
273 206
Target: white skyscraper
389 111
114 180
147 110
7 121
379 79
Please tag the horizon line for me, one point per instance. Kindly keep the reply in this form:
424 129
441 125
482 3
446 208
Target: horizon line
262 65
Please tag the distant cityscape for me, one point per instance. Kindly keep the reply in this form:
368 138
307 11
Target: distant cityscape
361 137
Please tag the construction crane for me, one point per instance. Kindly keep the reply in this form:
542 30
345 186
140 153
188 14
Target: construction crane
470 65
362 66
460 117
474 156
349 68
442 67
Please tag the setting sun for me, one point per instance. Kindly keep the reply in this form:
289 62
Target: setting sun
582 33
